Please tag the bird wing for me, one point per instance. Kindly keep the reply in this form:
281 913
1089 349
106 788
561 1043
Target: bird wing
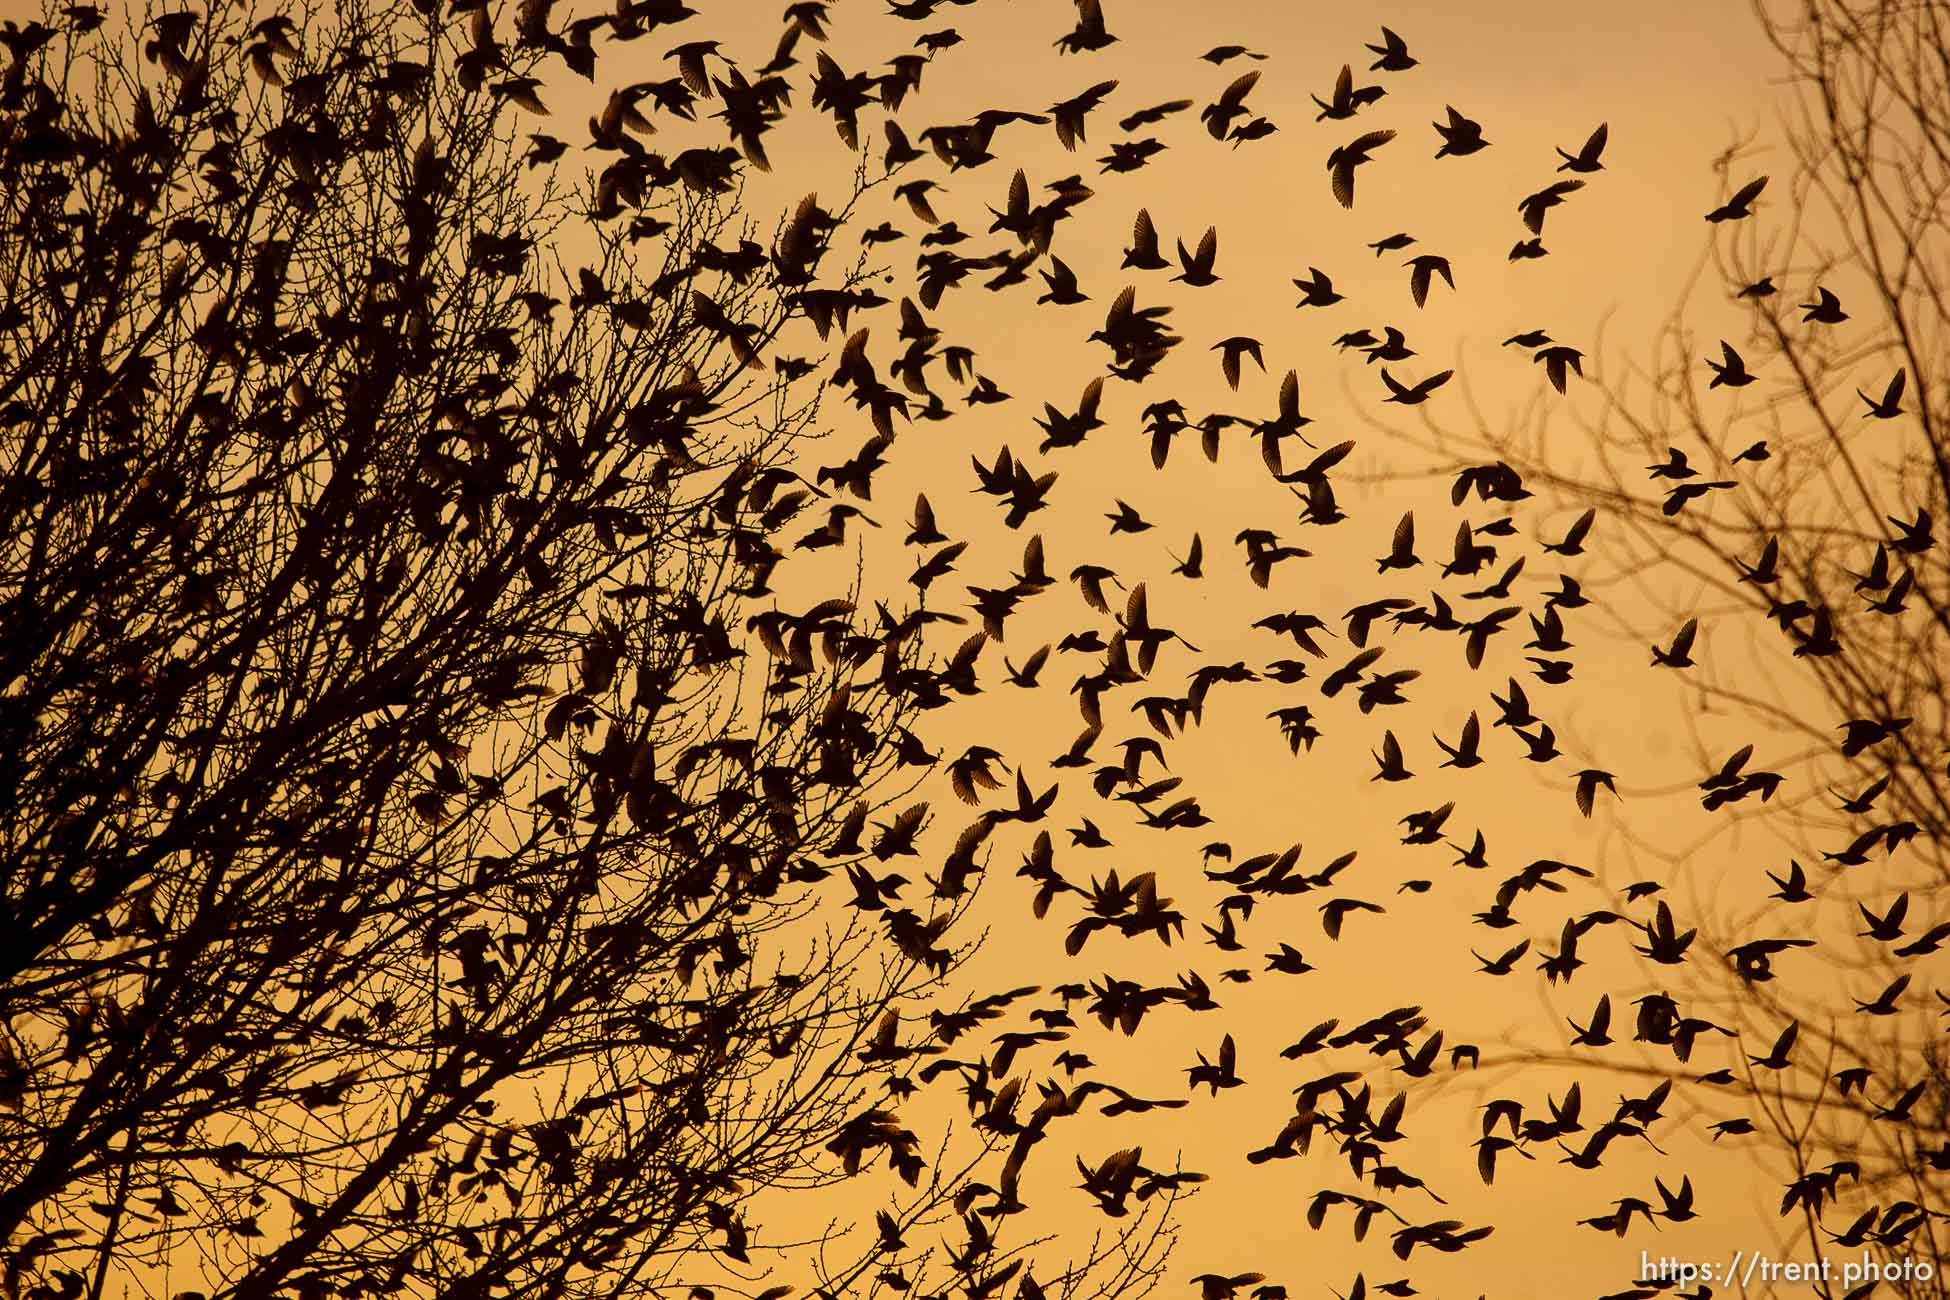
1342 168
1404 543
1093 393
1894 393
1239 89
1532 209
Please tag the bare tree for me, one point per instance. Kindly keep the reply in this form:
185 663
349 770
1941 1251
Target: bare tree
1812 568
410 855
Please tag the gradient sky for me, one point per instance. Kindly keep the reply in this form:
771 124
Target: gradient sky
1678 83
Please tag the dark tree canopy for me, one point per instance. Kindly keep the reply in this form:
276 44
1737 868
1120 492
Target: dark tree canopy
408 858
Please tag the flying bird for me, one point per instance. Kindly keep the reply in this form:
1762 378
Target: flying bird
1826 309
1219 115
1343 160
1422 270
1460 136
1231 351
1198 266
1318 288
1089 33
1419 393
1572 543
1679 654
1347 98
1731 370
1221 53
1394 54
1143 253
1589 779
1890 406
1401 552
1741 204
1586 158
1533 207
1557 360
1069 114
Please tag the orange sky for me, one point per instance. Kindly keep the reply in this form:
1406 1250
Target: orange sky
1676 82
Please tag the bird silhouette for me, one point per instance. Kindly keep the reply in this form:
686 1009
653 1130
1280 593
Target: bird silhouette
1463 754
1730 371
1826 309
1318 288
1416 395
1089 33
1460 135
1422 270
1231 350
1557 362
1393 346
1533 207
1060 285
1401 553
1394 54
1219 115
1346 99
1143 253
1679 653
1192 565
1069 114
1889 406
1389 760
1740 205
1125 519
1345 158
1198 266
1589 780
1586 159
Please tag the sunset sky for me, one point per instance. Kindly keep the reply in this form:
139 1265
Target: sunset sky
1633 277
1678 84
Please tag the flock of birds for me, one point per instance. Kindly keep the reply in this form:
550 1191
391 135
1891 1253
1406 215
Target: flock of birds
1332 668
1125 651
